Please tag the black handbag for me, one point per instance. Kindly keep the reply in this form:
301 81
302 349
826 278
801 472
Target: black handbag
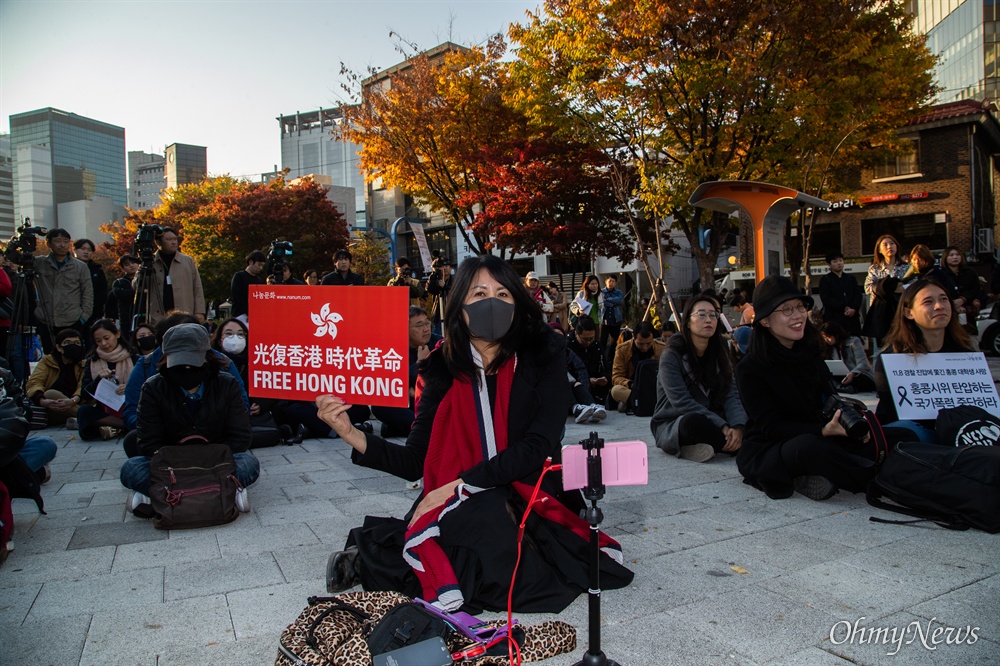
405 624
13 430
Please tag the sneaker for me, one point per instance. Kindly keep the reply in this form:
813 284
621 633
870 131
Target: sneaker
342 570
585 413
817 488
622 407
697 452
107 432
599 414
365 426
44 475
71 423
136 500
243 500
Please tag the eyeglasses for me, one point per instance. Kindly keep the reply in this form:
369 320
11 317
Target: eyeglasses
234 334
425 324
789 310
705 314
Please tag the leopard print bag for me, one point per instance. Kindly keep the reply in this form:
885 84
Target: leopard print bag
332 631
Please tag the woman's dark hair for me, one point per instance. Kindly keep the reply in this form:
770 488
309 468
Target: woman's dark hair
714 368
311 271
905 335
586 281
173 318
944 258
148 327
922 257
85 241
838 333
216 339
528 319
877 258
109 326
762 340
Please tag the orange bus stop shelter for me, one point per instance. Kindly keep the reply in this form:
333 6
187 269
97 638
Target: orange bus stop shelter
768 207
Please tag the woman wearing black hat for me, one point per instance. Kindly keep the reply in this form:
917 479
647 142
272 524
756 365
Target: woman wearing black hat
783 381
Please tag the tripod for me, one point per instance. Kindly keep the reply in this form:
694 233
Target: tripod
593 492
21 330
140 301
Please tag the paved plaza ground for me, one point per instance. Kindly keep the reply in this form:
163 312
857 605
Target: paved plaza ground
723 574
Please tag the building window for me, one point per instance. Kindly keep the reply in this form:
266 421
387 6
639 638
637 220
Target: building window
928 229
904 164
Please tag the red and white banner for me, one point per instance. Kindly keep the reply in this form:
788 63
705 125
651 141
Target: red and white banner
349 341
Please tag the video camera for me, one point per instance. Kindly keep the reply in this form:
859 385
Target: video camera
22 245
277 257
145 243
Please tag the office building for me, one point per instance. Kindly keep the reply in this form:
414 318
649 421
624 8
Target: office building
185 164
7 222
964 35
146 179
308 147
86 158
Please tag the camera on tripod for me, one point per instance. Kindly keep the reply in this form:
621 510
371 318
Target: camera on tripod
145 243
277 258
22 245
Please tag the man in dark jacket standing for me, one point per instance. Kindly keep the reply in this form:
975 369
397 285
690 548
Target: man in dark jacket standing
122 296
190 398
841 295
240 287
343 276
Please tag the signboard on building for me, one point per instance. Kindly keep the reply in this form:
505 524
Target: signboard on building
892 198
922 384
349 341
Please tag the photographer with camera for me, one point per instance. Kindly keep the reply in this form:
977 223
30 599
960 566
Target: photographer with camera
122 296
342 276
240 287
790 444
404 278
176 282
438 285
65 290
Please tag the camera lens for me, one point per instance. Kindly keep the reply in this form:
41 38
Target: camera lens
853 422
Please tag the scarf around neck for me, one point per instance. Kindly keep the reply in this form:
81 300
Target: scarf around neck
122 360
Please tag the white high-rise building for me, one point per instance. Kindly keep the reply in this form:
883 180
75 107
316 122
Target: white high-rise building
308 147
146 179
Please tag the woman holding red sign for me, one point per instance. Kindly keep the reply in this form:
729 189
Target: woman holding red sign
491 405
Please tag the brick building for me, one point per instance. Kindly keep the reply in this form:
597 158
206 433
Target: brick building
939 193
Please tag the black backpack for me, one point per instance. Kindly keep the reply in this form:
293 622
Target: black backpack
643 397
955 487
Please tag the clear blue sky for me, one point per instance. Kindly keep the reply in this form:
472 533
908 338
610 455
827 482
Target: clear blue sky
214 73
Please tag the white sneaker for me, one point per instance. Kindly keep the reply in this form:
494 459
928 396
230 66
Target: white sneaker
243 500
137 500
585 413
71 423
599 414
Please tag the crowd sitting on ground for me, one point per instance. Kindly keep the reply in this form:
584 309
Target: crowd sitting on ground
755 394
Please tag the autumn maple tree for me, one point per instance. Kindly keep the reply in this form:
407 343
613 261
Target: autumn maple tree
221 220
689 91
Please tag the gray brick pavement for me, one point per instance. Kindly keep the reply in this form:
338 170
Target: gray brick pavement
91 584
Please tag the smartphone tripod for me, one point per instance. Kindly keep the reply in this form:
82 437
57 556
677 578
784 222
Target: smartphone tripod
592 492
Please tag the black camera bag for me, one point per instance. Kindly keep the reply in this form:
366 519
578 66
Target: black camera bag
406 624
955 487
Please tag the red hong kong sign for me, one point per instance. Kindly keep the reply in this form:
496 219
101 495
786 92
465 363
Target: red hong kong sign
350 341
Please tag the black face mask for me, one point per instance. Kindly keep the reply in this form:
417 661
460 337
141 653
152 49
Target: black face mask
146 344
187 377
490 318
72 352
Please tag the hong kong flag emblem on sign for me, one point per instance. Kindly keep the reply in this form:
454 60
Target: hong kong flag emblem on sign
349 341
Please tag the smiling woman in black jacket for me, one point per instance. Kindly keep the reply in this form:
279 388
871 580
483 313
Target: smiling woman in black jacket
783 381
190 398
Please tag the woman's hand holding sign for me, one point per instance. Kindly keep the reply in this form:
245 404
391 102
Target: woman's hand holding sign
333 410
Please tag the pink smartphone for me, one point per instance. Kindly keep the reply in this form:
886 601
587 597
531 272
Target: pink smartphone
622 464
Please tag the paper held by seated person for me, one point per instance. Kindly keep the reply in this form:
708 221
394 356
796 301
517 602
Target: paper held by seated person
922 384
106 394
